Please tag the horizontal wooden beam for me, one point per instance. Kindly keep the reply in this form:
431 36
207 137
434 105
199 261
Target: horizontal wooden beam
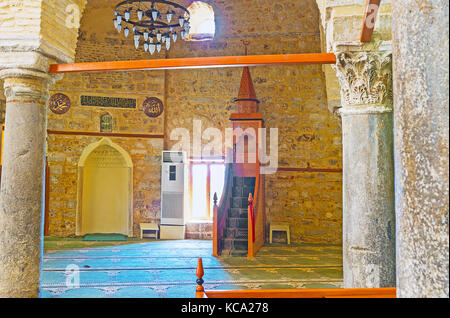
196 62
311 170
370 17
304 293
103 134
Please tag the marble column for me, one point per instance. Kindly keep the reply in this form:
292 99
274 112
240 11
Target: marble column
421 99
21 199
368 162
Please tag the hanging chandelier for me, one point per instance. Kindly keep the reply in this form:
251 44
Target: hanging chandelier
155 24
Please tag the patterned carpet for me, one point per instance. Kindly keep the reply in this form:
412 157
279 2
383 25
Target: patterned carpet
166 269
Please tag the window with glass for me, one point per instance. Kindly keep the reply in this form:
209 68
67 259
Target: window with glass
106 123
207 178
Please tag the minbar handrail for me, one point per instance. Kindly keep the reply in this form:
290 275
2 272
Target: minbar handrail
200 291
255 213
220 211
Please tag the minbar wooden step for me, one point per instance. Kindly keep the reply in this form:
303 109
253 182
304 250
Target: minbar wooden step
242 191
236 233
242 181
238 213
235 244
239 203
234 253
238 223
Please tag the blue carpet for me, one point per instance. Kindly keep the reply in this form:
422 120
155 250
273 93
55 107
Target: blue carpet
166 269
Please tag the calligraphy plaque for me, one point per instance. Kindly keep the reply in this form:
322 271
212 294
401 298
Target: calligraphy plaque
153 107
110 102
59 104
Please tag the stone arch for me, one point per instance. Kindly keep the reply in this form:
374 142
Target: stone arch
105 190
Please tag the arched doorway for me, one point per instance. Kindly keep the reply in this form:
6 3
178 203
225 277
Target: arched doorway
105 190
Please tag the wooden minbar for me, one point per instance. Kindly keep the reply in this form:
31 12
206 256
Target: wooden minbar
246 124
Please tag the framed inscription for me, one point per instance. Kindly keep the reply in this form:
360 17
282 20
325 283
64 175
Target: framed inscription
153 107
109 102
59 104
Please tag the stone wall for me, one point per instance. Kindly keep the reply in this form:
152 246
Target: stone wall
12 14
25 28
63 156
293 99
98 41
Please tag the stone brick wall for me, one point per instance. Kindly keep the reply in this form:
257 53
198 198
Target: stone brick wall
20 18
63 156
199 231
293 99
46 26
97 42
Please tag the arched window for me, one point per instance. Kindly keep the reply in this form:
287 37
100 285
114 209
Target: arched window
203 25
106 123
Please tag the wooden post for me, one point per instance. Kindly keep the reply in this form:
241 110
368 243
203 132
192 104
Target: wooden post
215 227
47 197
200 291
370 16
250 227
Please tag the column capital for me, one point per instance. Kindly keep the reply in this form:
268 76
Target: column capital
365 79
26 74
25 83
365 109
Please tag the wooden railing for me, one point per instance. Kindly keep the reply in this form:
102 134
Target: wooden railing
220 211
290 293
256 217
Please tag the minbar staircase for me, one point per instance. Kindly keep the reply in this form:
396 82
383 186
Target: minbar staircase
235 241
239 216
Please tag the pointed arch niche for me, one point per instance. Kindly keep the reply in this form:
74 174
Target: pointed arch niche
105 190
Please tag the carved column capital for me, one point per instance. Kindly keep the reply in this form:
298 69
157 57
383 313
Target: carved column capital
26 74
365 78
25 84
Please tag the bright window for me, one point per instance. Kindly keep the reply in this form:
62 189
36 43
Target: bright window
207 178
203 26
199 193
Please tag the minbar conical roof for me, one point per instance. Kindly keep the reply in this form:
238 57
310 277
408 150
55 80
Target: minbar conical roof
247 101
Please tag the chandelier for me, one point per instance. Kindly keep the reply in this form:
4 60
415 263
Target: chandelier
154 23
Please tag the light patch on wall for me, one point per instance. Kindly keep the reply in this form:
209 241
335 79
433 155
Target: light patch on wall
203 25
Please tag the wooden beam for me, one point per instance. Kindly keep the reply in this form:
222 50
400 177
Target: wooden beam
370 17
47 198
302 293
196 62
312 170
102 134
